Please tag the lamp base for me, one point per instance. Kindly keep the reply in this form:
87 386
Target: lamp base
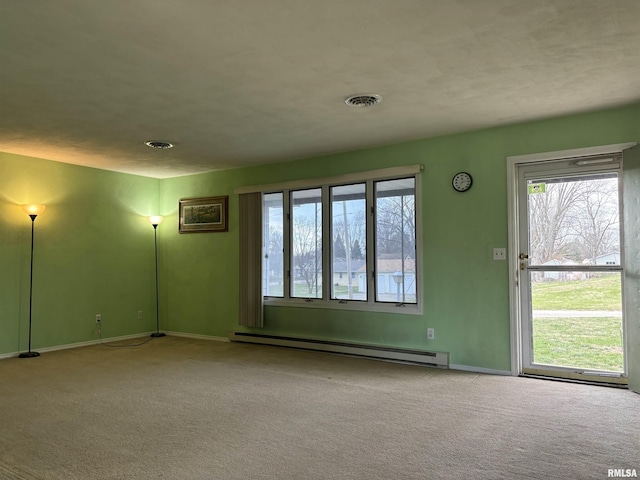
159 334
28 355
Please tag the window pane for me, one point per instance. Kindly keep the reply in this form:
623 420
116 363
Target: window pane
574 220
273 247
577 319
306 243
395 232
349 242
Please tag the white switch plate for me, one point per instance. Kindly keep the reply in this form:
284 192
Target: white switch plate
499 253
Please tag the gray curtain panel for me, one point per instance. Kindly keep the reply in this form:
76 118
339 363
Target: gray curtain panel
251 311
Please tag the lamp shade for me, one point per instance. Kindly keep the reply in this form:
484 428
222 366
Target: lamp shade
33 209
155 219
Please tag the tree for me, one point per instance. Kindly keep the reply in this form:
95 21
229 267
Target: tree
307 252
548 226
597 218
355 228
274 256
396 226
575 218
339 252
356 251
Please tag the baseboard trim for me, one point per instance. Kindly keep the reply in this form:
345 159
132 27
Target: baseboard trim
197 336
79 344
490 371
115 339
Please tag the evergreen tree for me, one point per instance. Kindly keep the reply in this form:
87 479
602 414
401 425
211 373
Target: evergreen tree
338 248
356 251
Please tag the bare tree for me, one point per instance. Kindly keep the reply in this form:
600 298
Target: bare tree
577 219
396 225
597 219
307 252
548 226
275 253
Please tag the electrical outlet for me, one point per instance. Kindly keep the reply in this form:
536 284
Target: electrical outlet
431 333
139 314
98 318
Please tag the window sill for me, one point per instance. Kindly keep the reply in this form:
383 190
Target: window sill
353 305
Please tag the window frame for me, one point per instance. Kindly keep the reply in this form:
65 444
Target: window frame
326 302
288 218
266 244
376 281
367 215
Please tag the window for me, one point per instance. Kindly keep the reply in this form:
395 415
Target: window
396 240
349 240
306 243
273 245
343 244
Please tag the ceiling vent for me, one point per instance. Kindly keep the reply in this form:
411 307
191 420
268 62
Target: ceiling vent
363 100
160 145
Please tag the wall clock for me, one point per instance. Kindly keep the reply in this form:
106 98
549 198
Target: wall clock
461 182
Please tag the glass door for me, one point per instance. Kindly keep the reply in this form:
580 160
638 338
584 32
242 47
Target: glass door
570 264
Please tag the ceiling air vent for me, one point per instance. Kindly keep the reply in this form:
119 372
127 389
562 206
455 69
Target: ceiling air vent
363 100
161 145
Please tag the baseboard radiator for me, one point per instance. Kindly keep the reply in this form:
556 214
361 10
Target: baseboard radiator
421 357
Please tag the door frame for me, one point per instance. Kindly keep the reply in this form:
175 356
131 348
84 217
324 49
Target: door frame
513 162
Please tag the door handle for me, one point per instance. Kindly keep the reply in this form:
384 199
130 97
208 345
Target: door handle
523 263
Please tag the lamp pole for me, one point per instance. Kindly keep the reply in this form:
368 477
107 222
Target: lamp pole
33 211
155 221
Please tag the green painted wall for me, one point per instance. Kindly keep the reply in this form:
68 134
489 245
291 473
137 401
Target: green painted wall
94 249
93 253
466 292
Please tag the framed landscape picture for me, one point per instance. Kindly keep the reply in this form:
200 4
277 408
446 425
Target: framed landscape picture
208 214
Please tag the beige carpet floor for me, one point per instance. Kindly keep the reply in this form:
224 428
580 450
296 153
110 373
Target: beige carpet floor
179 408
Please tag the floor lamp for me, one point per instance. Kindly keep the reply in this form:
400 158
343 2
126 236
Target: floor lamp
33 211
156 220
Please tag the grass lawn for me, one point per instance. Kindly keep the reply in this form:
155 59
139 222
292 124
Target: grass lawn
586 342
599 293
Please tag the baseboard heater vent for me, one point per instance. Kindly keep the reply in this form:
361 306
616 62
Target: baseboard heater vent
434 359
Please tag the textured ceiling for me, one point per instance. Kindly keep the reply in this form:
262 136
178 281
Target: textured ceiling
245 82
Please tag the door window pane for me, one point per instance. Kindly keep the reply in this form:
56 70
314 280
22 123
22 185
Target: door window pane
273 246
306 243
573 322
395 232
574 220
577 319
349 242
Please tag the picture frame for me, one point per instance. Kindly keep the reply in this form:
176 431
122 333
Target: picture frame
206 214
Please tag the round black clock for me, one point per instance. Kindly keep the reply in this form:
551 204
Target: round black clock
461 182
